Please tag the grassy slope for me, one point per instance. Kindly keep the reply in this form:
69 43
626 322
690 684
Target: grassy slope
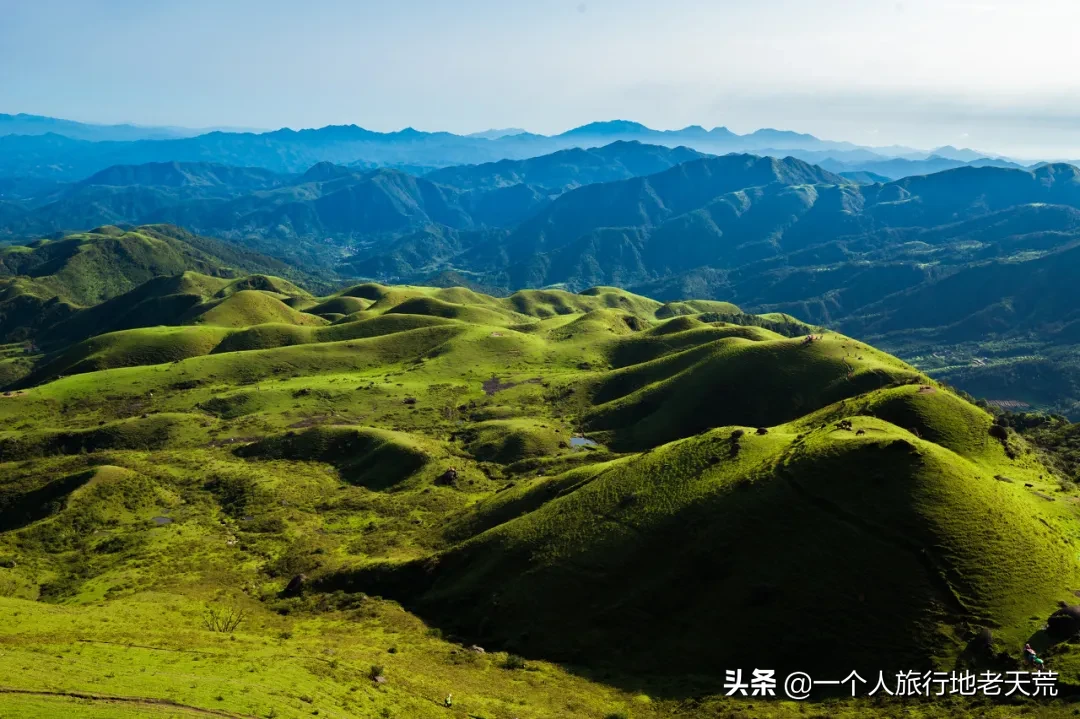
90 267
277 449
806 521
44 285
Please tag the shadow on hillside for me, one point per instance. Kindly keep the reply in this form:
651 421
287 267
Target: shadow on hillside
661 676
406 584
39 503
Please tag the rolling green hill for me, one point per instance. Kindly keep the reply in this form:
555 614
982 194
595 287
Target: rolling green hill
51 282
280 504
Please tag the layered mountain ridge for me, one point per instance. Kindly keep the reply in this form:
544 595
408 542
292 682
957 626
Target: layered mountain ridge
63 150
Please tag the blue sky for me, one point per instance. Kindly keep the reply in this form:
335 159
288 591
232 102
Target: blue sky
998 75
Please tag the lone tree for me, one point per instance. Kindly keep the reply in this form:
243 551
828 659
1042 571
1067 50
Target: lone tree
223 619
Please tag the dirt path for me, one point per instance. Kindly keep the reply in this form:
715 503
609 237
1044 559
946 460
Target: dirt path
156 649
139 701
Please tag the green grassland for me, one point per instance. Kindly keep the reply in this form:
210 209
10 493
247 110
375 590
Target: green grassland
753 492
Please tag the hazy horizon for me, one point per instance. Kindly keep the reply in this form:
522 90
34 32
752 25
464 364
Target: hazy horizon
989 75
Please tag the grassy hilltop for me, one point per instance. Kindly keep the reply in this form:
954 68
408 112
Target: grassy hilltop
617 498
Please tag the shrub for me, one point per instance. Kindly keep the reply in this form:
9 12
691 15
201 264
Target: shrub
63 586
8 587
376 671
296 559
267 525
112 545
513 661
235 493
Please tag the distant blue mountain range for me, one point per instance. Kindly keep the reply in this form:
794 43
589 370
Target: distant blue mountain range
62 150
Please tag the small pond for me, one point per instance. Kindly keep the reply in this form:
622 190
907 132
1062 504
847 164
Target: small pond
582 442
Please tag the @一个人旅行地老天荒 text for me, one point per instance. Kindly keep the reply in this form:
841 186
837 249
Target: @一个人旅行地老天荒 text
800 685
